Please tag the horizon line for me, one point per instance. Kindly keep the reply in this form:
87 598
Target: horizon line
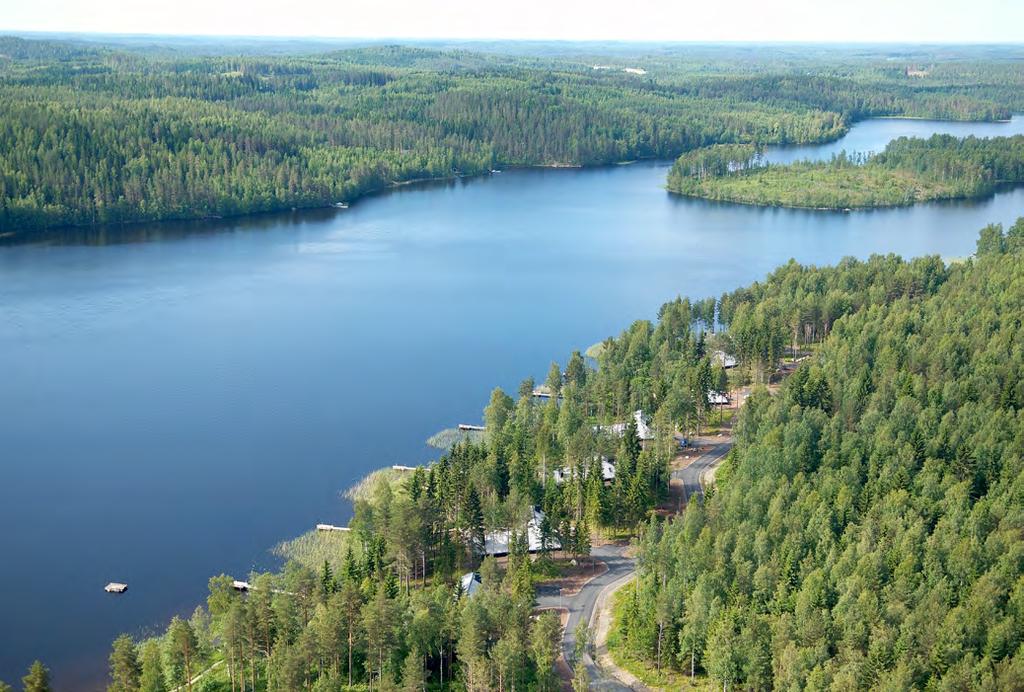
486 39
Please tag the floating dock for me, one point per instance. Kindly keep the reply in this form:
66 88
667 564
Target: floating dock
466 427
399 467
115 587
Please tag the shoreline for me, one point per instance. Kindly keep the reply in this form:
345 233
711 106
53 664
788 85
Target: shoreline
30 235
40 234
1001 187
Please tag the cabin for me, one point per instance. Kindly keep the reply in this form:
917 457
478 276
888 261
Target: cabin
238 585
543 392
643 428
723 359
497 543
718 398
607 472
469 584
115 587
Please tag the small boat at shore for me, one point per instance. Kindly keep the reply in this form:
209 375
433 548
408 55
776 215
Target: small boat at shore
340 205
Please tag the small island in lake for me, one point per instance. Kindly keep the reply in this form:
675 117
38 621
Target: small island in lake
909 170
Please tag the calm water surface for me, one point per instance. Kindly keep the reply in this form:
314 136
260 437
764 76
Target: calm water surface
170 409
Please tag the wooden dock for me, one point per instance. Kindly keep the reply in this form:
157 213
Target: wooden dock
466 427
399 467
115 587
331 527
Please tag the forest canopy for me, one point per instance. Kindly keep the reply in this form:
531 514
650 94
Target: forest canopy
93 134
909 170
866 532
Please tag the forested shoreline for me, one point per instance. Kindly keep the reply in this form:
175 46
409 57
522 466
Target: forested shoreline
98 135
866 531
909 170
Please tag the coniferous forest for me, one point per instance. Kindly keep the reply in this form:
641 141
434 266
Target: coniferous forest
98 134
908 170
866 531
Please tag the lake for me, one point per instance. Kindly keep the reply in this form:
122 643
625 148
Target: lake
177 398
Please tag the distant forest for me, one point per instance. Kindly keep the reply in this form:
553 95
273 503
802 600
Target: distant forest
908 170
93 134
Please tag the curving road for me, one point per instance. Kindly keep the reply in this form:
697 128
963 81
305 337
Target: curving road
581 607
620 567
692 476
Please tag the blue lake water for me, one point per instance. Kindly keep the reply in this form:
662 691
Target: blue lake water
176 398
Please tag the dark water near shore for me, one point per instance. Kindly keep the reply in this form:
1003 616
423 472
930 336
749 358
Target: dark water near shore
170 409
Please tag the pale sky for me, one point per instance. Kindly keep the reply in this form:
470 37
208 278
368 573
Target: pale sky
980 21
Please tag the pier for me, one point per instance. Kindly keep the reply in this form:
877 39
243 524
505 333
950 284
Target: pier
331 527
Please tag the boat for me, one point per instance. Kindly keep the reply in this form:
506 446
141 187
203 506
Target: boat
340 205
115 587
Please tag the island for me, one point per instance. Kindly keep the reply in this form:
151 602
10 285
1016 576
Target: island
907 171
100 135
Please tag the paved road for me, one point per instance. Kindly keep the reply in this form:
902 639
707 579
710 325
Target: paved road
692 474
581 605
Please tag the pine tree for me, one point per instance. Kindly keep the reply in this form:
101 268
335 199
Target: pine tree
414 677
182 644
124 666
327 583
379 624
473 521
37 679
152 679
544 637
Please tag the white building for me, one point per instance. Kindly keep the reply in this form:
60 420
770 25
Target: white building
643 428
469 584
718 398
499 542
723 359
607 472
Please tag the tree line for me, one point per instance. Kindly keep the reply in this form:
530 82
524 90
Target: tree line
93 135
908 170
865 531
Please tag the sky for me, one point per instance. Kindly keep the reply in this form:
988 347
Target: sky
913 21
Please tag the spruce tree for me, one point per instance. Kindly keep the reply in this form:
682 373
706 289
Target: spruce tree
37 679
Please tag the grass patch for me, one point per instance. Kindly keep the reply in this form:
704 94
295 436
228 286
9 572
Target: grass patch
312 548
719 420
595 351
449 437
371 485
